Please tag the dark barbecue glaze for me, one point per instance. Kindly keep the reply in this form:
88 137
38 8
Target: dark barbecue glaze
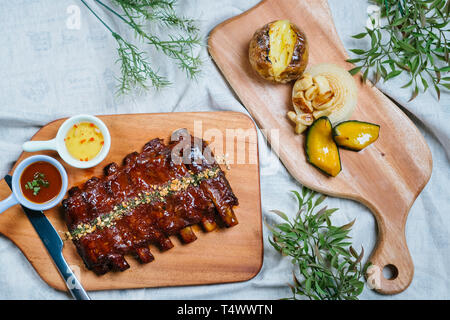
149 223
218 188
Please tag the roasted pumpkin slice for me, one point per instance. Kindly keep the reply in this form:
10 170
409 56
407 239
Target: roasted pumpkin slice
321 150
355 135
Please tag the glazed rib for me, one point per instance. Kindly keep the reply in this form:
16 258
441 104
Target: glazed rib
126 210
200 158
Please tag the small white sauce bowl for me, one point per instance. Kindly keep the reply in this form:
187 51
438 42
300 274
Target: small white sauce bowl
17 195
58 144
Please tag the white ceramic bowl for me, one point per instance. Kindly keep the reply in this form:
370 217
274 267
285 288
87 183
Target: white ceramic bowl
59 145
17 195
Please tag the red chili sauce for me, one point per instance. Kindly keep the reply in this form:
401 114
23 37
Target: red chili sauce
40 182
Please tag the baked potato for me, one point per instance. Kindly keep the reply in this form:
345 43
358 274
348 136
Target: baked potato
279 51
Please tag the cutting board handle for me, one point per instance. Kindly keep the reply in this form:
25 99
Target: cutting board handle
392 253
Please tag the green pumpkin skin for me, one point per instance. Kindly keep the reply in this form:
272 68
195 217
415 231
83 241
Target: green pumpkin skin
349 146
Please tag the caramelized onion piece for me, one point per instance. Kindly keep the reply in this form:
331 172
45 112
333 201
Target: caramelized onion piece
323 90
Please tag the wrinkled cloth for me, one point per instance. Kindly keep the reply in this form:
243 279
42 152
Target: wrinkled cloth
49 71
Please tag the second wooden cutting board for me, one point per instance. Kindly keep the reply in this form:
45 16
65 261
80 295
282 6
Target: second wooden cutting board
386 177
224 255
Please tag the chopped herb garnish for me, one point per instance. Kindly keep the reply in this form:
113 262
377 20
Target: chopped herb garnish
37 182
156 193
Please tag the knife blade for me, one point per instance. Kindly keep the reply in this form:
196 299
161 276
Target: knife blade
54 244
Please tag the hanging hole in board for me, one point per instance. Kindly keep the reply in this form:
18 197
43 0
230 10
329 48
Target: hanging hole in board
390 272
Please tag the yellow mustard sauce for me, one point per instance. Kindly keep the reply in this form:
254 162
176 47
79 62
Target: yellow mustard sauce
84 141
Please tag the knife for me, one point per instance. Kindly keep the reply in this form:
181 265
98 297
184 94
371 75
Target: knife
52 241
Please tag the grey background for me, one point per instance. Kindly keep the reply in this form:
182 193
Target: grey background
48 72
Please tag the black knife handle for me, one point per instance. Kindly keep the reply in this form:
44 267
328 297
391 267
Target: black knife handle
68 275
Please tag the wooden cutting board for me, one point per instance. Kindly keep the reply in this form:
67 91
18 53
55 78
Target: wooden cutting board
386 177
224 255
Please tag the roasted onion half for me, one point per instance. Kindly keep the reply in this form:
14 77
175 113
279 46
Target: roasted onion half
323 90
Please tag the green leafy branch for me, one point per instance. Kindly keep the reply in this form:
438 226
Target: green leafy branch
160 11
136 70
413 41
328 266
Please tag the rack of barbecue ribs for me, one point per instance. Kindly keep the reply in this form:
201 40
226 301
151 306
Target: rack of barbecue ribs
155 194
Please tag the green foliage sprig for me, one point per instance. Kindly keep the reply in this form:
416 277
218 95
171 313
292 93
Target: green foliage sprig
413 40
328 266
136 69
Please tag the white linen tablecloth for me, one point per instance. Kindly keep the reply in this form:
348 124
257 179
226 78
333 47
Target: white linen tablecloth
48 71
